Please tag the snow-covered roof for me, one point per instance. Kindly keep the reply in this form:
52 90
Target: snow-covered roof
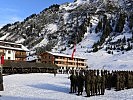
10 42
22 48
12 48
31 58
64 55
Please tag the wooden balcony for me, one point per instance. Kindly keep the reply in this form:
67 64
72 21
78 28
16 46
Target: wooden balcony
20 56
61 60
62 65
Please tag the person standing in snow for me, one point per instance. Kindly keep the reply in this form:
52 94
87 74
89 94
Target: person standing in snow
1 77
118 81
80 80
88 83
98 83
76 81
102 83
55 72
73 80
109 76
1 83
93 82
129 80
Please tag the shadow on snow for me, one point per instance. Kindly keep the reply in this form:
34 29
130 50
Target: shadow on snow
21 98
51 87
66 83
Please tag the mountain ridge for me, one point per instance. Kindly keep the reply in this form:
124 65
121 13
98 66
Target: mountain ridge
94 25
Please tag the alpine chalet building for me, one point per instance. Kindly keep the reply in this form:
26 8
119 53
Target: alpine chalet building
63 61
13 51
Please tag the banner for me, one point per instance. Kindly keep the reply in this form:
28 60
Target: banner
2 59
74 50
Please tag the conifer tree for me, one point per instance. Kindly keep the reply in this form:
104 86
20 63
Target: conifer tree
124 39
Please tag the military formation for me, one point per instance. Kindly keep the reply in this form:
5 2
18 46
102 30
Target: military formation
95 82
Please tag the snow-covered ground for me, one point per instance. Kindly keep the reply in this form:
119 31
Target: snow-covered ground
42 86
103 60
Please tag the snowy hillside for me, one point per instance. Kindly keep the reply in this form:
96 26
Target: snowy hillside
102 30
47 87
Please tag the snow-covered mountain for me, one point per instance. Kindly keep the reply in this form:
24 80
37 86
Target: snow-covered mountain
102 30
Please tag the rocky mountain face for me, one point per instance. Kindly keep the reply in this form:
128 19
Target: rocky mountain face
59 27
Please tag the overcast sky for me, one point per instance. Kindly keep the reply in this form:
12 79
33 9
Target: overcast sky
17 10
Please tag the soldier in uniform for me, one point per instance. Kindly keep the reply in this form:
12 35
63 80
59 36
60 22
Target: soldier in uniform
87 83
109 76
98 83
122 80
113 80
105 75
75 82
129 80
93 83
102 83
72 79
80 80
118 81
1 82
55 72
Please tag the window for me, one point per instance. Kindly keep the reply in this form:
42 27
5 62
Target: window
56 57
9 58
56 62
70 58
9 52
1 50
22 53
62 62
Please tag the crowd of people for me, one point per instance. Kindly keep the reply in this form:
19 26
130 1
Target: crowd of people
94 82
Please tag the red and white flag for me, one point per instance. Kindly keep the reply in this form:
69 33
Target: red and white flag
2 59
74 50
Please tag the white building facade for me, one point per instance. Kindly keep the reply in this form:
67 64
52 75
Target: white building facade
13 51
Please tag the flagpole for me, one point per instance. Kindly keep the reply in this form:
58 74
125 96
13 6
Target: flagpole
2 62
1 76
75 43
